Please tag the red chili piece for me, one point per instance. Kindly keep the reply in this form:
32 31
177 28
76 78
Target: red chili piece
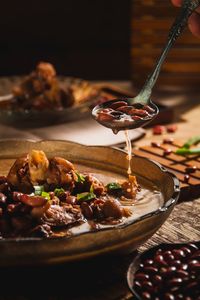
158 129
171 128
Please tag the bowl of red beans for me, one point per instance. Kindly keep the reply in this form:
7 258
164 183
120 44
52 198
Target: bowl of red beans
166 272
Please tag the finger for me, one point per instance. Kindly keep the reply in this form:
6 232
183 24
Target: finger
194 24
177 2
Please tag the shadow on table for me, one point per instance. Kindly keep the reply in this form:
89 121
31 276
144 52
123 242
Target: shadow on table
97 278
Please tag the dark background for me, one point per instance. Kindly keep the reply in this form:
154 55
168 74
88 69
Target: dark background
88 38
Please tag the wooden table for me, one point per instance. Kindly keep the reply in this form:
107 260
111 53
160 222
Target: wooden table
105 278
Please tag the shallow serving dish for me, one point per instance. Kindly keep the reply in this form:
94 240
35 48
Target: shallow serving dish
121 238
37 118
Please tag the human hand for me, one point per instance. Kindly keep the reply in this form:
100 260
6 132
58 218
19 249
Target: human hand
194 19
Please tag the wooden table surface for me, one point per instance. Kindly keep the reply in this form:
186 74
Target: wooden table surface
105 278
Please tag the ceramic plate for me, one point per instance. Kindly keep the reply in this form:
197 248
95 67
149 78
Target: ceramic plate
121 238
34 118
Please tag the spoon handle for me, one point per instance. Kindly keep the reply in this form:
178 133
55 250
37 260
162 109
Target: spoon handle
176 29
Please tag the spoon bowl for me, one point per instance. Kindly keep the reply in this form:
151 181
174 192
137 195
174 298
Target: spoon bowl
118 114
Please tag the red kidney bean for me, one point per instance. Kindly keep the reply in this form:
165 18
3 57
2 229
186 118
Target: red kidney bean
186 250
169 296
160 260
33 200
183 267
193 247
148 262
169 271
191 285
117 104
104 117
137 285
138 112
194 265
71 200
178 253
175 282
136 118
157 279
196 254
16 196
181 274
87 210
125 109
151 270
146 296
3 199
168 256
147 286
141 276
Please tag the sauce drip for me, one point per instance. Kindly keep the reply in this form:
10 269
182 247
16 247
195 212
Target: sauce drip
129 151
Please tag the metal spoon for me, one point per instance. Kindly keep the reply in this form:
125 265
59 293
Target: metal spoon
115 118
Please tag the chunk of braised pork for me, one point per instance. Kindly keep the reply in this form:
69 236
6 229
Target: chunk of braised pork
90 183
60 173
41 90
19 176
59 216
112 208
130 188
41 231
104 208
38 166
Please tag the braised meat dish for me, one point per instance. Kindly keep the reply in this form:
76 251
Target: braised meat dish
41 197
42 90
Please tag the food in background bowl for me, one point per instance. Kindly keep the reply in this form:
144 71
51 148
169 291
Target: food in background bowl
42 90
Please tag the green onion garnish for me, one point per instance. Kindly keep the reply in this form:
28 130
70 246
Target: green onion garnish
58 191
185 151
45 195
80 177
193 141
38 190
86 196
113 186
